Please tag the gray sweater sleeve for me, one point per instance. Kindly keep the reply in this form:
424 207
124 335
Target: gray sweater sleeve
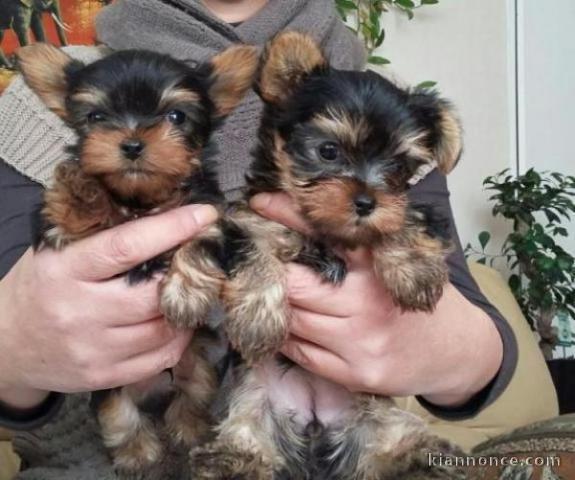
432 190
20 196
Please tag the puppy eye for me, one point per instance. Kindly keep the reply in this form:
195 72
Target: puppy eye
176 117
95 117
329 151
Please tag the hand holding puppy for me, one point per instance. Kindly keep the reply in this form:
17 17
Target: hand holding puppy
68 324
354 335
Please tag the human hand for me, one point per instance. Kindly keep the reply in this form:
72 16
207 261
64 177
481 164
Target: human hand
353 334
70 324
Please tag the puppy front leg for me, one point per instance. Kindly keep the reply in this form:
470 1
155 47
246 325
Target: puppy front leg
413 269
254 296
257 314
188 415
75 207
194 281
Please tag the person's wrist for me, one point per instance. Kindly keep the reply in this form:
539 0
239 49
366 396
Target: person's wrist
449 400
12 394
22 398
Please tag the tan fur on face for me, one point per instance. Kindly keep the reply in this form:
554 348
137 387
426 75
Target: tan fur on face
165 161
288 58
448 151
413 145
328 206
233 75
43 67
90 96
174 96
348 131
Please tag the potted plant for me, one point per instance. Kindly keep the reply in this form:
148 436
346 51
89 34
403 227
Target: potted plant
543 272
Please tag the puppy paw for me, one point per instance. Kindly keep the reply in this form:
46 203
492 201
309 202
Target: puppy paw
187 305
417 295
191 287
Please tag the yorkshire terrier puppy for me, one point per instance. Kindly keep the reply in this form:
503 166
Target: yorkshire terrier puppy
344 145
143 123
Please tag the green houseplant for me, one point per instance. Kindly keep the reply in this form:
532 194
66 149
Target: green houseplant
543 272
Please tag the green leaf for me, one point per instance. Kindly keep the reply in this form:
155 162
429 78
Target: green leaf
376 60
380 39
405 3
347 4
426 85
429 2
484 238
514 282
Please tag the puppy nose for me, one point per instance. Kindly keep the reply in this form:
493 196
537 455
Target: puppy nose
132 149
364 204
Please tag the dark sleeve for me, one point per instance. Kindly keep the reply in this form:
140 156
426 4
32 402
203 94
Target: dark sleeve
19 196
433 190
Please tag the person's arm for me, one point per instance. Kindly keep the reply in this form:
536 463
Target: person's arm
457 359
68 324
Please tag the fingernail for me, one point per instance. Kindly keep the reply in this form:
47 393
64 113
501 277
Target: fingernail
261 201
203 214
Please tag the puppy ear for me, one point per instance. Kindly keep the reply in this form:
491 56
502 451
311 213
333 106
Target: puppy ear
44 68
439 117
232 74
285 63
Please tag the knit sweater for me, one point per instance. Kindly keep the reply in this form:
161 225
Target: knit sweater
32 141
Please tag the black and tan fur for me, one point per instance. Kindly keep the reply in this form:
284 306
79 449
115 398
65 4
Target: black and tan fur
344 145
143 122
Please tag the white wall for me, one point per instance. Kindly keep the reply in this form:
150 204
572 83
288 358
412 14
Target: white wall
547 88
465 46
469 48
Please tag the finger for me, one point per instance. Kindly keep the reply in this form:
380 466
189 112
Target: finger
118 249
134 340
316 359
150 363
306 290
280 208
131 304
358 259
325 331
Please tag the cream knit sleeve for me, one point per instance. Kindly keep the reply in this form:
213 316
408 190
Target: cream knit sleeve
33 139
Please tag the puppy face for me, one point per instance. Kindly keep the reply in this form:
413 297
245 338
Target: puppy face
142 118
346 143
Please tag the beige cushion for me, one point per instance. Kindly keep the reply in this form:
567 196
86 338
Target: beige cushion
9 463
530 396
4 434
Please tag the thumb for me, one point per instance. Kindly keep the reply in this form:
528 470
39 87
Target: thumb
118 249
